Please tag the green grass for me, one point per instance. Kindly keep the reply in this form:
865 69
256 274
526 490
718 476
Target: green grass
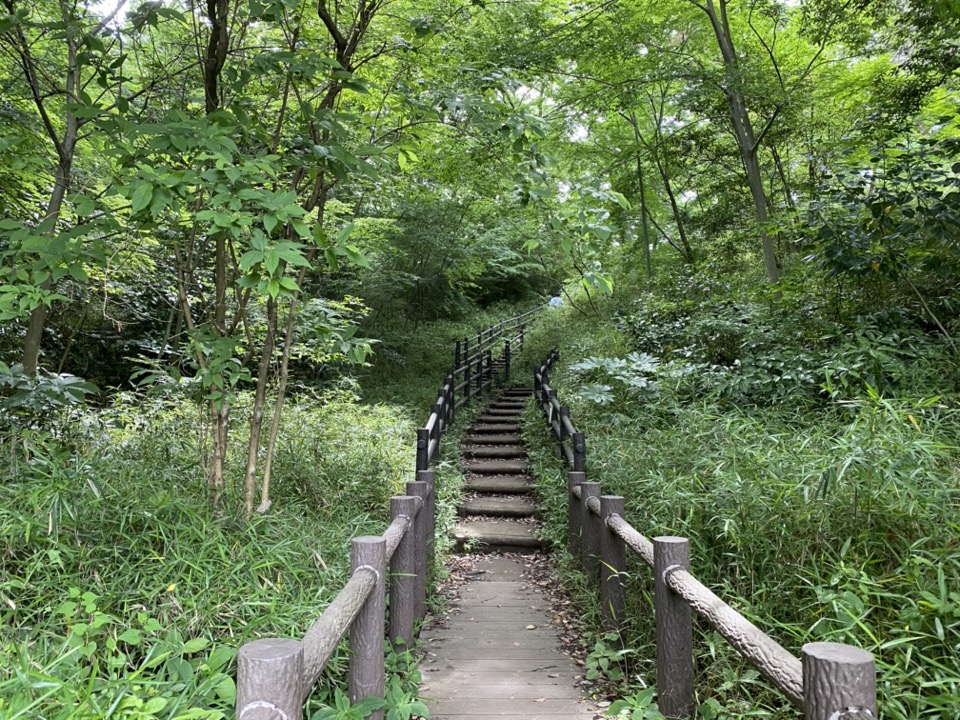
125 594
819 520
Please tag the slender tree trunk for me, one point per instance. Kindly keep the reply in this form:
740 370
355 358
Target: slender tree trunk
644 224
256 420
743 130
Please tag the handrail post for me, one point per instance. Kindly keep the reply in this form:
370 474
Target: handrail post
423 449
479 388
551 396
430 514
451 396
564 413
466 380
838 681
579 452
613 564
366 633
574 527
489 380
590 538
403 572
456 356
420 490
439 428
506 360
674 631
270 675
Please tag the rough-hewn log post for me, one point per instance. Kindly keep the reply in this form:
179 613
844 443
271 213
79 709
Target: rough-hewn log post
590 538
579 452
613 564
674 631
574 526
438 428
403 573
839 681
270 679
423 449
366 634
420 490
430 514
564 434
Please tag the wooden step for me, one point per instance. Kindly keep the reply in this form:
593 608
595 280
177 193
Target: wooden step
504 412
496 467
516 506
491 439
494 427
501 452
488 419
498 484
496 534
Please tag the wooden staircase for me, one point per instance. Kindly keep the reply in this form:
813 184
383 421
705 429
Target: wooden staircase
498 512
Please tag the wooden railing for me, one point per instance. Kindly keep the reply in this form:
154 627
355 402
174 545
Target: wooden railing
276 675
829 682
477 360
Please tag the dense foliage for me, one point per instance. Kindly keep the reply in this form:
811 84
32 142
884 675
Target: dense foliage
231 231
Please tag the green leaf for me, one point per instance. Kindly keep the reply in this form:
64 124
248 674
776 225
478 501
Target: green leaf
195 645
141 197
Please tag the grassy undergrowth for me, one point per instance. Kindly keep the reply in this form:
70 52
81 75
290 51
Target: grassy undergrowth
125 594
826 507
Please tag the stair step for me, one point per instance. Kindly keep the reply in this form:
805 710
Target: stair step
495 427
492 439
496 467
488 419
495 534
499 484
498 453
504 412
499 506
517 392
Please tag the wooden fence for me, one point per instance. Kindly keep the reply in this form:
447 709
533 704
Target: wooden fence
275 676
829 682
477 360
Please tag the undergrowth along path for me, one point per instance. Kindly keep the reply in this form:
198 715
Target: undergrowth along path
497 652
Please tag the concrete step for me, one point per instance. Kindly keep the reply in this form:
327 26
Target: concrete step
516 506
491 439
498 484
497 535
496 452
496 467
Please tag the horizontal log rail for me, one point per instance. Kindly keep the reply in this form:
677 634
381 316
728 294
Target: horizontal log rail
829 681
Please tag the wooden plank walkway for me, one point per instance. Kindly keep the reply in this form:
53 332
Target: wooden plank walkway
497 653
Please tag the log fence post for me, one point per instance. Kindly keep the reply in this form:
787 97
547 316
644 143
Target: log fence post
579 452
403 572
419 489
590 537
270 678
839 681
366 634
506 360
423 449
574 526
613 565
564 414
674 631
489 379
429 514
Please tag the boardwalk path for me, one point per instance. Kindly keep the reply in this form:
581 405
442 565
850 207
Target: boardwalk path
497 653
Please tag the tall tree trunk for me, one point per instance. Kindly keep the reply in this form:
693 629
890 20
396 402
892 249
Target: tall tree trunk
743 130
644 224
